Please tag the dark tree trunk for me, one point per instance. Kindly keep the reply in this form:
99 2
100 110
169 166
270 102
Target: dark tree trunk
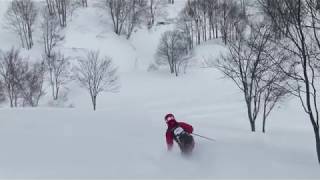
53 93
199 36
264 125
94 102
56 95
250 116
252 121
225 37
176 70
15 101
216 31
264 117
171 69
253 126
171 66
11 103
317 136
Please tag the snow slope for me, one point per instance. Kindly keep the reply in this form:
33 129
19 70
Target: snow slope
124 138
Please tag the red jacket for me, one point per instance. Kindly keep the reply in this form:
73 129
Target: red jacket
171 124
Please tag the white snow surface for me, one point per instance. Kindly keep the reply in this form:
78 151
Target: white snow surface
125 137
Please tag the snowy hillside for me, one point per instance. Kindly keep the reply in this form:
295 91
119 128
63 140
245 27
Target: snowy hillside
125 137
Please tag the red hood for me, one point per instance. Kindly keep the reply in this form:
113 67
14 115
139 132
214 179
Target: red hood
172 123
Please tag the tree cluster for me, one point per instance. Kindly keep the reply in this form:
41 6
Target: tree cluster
202 20
278 57
62 9
125 14
21 81
20 18
173 50
296 26
252 64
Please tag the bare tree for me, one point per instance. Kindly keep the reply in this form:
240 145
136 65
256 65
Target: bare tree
61 10
210 9
32 85
274 91
58 67
172 49
185 25
97 75
242 71
20 17
232 20
273 82
155 9
2 93
119 11
84 3
202 20
125 14
194 12
51 7
51 32
12 72
137 11
248 64
296 20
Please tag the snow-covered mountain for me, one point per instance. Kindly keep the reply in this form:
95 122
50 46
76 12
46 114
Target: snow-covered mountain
125 137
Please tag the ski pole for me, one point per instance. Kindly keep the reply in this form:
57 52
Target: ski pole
211 139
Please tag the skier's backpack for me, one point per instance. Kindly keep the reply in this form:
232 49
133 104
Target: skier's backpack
183 138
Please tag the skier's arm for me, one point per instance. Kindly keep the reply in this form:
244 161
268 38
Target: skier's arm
186 127
169 139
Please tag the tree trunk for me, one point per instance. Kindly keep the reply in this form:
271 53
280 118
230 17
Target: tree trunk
171 66
10 96
152 14
264 125
171 69
53 93
94 102
199 36
253 126
11 102
30 40
216 31
264 117
15 101
56 91
176 70
250 116
317 136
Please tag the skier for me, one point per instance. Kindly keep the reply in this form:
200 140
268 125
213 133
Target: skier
181 133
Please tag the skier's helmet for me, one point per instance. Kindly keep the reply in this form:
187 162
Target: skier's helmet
169 117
